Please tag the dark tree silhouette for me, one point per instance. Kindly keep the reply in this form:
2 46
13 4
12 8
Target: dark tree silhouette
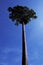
22 15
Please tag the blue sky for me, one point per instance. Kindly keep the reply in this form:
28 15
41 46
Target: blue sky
11 35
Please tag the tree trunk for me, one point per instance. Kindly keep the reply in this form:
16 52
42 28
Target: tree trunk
24 49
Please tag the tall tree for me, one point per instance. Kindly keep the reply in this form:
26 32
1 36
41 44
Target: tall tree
22 15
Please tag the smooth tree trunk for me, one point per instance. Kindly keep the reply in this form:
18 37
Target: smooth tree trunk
24 49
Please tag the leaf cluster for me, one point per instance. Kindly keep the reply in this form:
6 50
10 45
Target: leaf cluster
21 14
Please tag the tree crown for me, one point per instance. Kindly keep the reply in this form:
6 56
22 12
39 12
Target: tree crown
21 14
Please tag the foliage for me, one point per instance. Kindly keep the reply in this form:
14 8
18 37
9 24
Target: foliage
21 14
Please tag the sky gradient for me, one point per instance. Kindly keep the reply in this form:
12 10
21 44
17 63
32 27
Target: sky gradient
11 35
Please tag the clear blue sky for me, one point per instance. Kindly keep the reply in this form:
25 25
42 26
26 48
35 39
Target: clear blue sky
11 35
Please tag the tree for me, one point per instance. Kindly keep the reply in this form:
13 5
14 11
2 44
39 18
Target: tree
22 15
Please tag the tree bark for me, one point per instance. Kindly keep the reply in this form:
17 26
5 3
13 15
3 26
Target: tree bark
24 49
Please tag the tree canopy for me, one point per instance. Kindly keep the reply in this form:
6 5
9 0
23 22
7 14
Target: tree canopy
21 14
